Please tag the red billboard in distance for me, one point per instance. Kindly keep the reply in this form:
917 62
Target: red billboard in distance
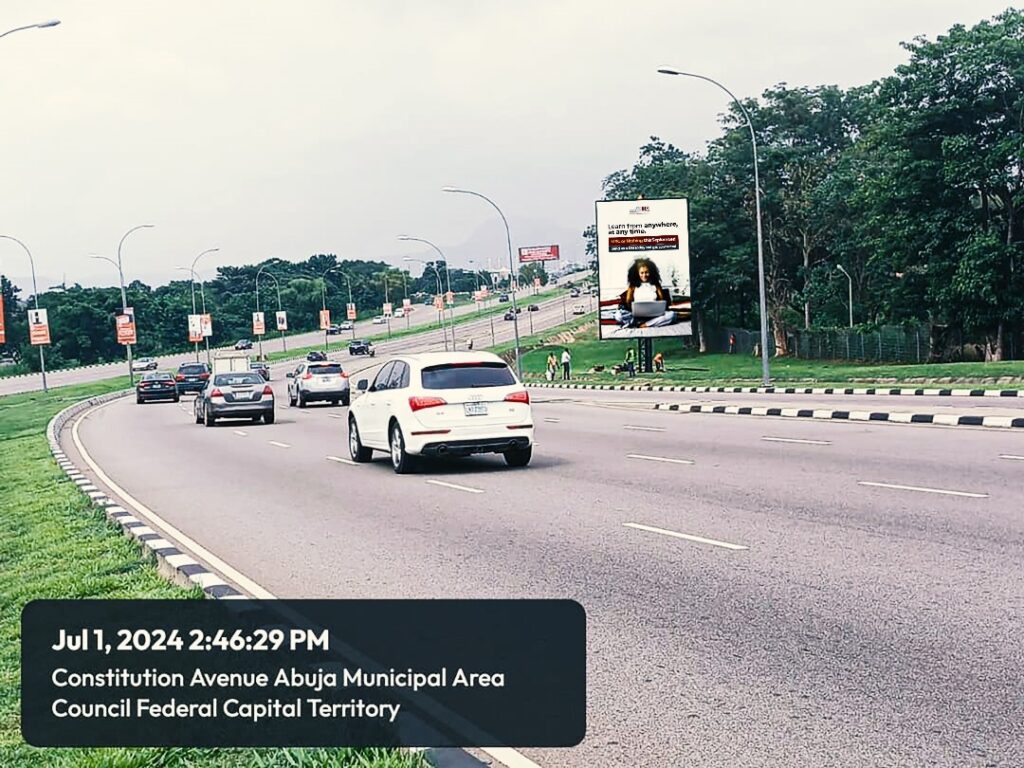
538 253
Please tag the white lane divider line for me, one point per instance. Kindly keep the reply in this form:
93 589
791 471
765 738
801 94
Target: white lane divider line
687 536
465 488
240 433
664 459
335 415
965 494
796 440
552 421
341 460
279 445
1011 457
643 429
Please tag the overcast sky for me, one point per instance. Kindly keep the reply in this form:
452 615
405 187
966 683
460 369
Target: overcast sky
287 129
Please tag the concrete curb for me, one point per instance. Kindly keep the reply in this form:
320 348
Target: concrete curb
929 392
172 563
945 419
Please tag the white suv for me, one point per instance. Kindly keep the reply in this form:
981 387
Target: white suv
317 381
442 404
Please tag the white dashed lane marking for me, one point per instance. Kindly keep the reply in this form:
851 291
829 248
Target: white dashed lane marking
664 459
241 433
1011 457
920 489
687 536
796 440
279 445
340 460
643 429
465 488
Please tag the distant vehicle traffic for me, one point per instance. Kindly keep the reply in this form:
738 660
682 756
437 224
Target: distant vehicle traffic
503 298
316 356
579 309
442 404
333 329
361 347
191 377
144 364
399 312
534 307
379 320
243 344
156 386
312 382
263 369
235 396
574 293
346 326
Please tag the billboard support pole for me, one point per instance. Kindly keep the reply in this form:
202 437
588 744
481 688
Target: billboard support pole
645 352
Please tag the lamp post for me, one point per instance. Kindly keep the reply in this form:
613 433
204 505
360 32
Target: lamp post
348 282
192 275
202 292
387 316
277 285
259 272
448 278
511 266
491 280
765 370
35 294
437 274
323 305
40 25
850 280
124 298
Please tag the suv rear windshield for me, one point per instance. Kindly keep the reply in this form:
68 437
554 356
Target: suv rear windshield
192 370
467 376
237 379
325 369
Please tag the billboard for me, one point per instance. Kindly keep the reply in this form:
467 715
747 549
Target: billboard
195 328
125 327
38 327
282 320
387 309
538 253
350 311
259 327
206 323
325 319
643 265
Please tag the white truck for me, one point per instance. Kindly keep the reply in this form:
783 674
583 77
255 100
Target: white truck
231 361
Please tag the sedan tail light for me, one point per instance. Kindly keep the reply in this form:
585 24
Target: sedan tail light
268 391
216 393
419 403
518 397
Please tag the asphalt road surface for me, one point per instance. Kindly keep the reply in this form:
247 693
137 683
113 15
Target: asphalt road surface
759 591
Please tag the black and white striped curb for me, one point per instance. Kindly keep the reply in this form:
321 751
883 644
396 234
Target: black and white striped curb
171 561
945 419
926 392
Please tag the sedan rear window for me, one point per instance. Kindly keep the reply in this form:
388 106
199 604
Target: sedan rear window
237 379
467 376
157 377
325 369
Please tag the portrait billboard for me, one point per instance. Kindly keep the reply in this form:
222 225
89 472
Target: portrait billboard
643 264
282 320
259 325
38 327
125 328
195 328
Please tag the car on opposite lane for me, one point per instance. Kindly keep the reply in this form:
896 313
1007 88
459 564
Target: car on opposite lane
243 344
235 396
316 356
192 377
442 404
361 347
144 364
156 386
322 381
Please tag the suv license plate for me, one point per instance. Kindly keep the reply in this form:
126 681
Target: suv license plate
475 409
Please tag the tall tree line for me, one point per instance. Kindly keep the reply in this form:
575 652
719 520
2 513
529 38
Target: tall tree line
914 184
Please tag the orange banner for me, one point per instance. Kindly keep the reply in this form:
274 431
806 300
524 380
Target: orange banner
38 327
325 319
125 325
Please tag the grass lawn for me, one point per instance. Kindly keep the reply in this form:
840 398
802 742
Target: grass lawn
54 544
685 367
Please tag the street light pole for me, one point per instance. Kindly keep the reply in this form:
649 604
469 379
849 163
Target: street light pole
437 274
765 370
277 285
40 25
448 277
511 266
193 286
850 280
323 296
348 282
202 293
35 291
124 299
387 316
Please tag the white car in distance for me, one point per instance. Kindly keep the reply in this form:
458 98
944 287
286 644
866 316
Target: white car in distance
441 404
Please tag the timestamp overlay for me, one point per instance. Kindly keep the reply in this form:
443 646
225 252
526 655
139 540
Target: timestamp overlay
232 673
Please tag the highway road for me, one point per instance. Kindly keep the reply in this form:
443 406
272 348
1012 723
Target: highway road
759 591
554 312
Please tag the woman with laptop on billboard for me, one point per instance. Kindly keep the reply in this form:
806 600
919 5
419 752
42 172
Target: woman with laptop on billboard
644 304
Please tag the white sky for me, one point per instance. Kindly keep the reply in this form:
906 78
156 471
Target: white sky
330 126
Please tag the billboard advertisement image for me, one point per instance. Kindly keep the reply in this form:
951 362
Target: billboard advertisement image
282 320
538 253
325 319
38 327
195 328
259 327
125 326
643 265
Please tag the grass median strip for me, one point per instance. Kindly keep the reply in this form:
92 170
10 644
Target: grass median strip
54 544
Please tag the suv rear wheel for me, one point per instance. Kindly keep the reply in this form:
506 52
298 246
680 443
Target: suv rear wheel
519 457
402 462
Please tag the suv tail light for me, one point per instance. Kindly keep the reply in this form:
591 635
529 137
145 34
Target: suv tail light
344 375
307 376
180 377
216 393
204 376
419 403
518 397
268 391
